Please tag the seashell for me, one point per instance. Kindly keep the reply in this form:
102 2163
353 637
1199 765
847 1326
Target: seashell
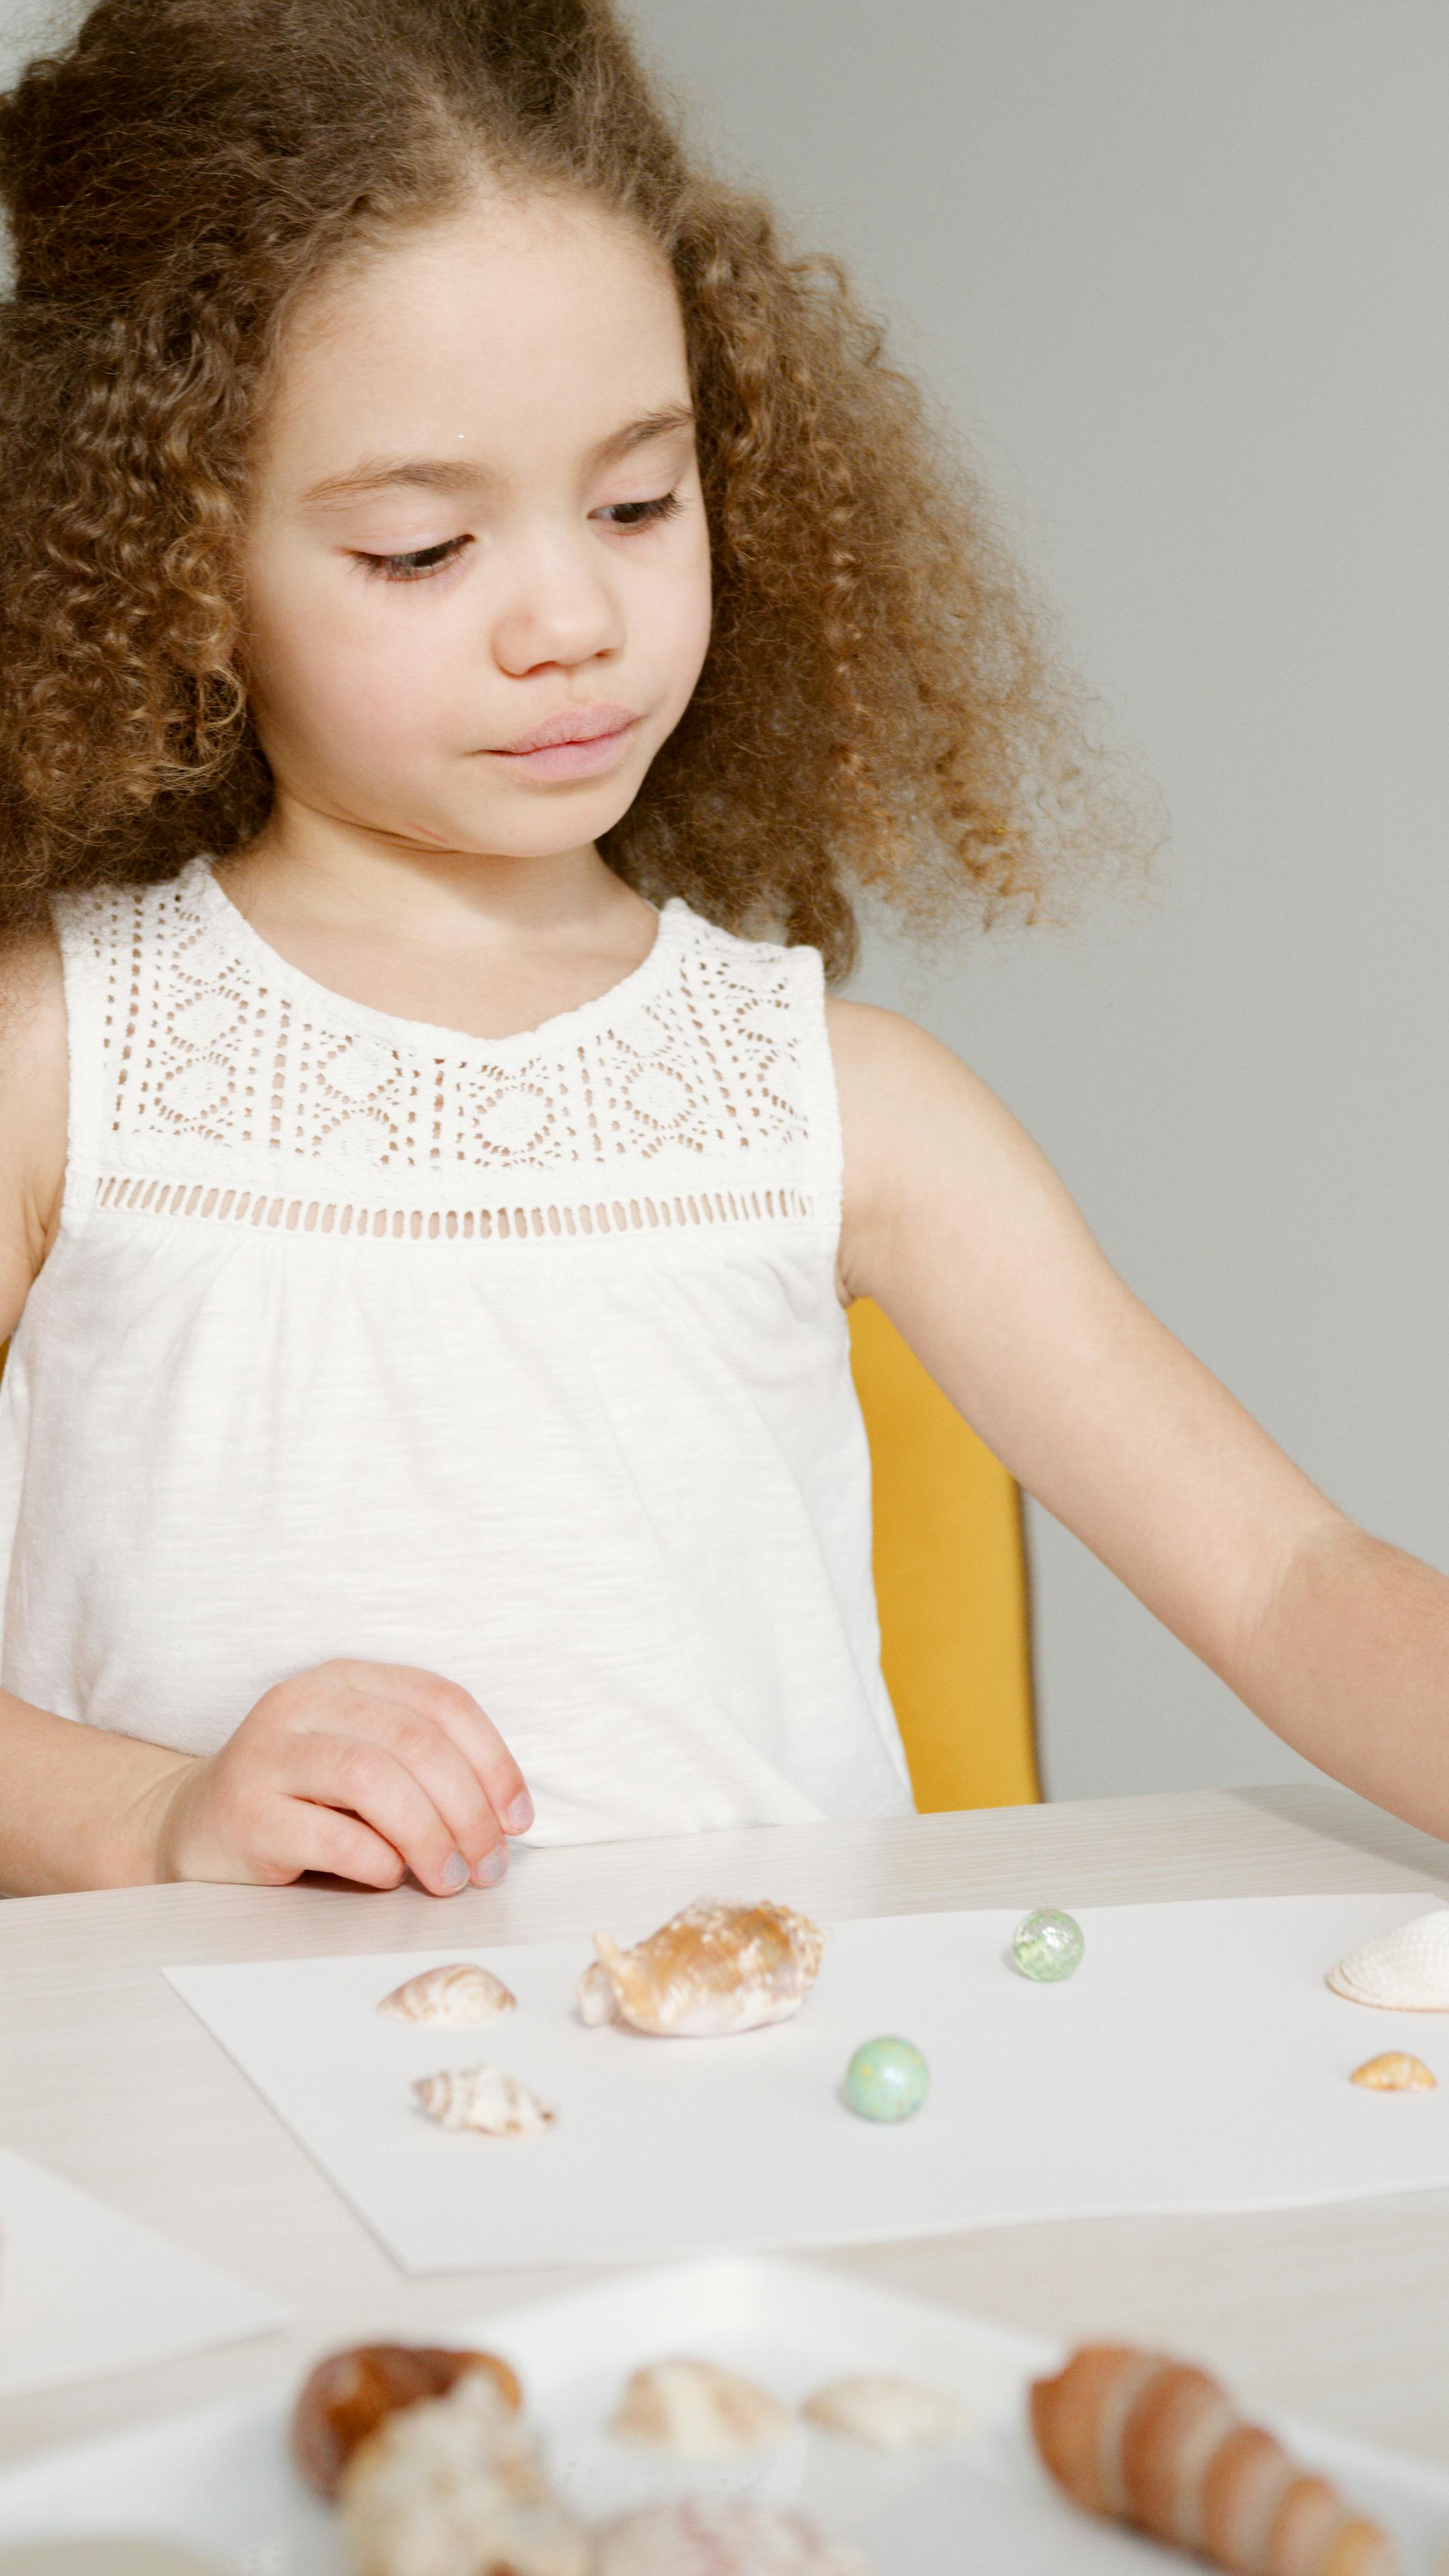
1159 2444
456 2484
1405 1970
728 2537
349 2393
711 1970
696 2411
888 2414
1394 2073
456 1993
483 2098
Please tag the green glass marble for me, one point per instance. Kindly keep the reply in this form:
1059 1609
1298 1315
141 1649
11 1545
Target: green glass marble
887 2079
1047 1946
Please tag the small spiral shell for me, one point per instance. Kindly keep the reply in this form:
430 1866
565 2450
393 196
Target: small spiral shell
483 2098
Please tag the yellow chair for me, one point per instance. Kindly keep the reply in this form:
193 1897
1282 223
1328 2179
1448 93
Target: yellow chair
950 1581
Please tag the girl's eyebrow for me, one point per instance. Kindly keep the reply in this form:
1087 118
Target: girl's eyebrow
459 473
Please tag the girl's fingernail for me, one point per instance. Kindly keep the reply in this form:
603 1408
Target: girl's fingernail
454 1872
493 1866
518 1817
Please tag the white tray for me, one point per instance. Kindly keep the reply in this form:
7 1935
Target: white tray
221 2480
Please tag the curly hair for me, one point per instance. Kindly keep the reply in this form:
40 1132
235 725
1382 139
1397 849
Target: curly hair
883 706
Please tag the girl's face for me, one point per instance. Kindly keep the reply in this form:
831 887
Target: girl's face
476 511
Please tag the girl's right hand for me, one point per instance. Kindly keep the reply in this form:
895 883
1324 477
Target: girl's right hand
361 1770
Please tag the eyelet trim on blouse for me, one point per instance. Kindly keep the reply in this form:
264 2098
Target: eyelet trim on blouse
268 1213
229 1088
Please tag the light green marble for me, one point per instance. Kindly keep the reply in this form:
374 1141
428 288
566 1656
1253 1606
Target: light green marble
1047 1946
887 2079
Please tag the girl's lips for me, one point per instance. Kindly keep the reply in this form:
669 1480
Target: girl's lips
571 759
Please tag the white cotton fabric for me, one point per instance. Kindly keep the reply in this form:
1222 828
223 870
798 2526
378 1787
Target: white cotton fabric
516 1358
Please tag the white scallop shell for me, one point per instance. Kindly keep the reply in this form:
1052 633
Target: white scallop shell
725 2537
888 2414
454 1993
693 2410
483 2098
712 1970
456 2483
1405 1970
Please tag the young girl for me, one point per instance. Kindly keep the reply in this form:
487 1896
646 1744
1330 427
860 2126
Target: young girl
472 609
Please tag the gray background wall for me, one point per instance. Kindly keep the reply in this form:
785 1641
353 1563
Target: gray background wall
1179 267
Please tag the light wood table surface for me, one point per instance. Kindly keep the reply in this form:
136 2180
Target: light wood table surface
1340 2314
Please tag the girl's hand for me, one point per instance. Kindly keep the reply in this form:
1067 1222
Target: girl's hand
362 1770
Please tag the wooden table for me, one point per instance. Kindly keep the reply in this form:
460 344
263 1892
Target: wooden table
1341 2314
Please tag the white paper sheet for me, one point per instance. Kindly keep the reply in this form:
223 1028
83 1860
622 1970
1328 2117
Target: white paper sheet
1197 2061
84 2291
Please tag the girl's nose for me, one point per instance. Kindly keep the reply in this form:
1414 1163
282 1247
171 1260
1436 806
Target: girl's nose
561 607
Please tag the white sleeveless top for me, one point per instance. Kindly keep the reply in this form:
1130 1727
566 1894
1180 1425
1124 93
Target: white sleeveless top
516 1358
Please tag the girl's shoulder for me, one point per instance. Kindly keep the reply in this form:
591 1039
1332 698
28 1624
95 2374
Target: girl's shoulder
34 1085
919 1130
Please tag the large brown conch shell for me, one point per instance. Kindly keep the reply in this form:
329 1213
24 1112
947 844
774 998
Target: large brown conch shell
711 1970
347 2396
1156 2443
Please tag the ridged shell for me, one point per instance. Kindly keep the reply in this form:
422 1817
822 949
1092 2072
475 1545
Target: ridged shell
455 1993
709 1971
1394 2073
456 2484
696 2411
483 2098
888 2414
1405 1970
729 2537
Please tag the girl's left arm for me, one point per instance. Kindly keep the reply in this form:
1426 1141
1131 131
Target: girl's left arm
961 1231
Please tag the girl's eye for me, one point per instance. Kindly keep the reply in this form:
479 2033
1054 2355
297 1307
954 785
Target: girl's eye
415 567
623 515
640 514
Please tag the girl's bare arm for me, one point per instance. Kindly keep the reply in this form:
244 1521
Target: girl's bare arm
960 1230
359 1769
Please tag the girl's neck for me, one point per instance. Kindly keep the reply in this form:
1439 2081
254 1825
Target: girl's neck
486 945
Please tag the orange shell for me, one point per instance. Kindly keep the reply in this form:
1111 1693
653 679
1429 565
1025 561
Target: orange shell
350 2393
1066 2415
1394 2072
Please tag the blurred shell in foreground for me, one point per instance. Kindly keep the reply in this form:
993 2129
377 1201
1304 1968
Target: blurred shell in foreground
455 2487
696 2411
348 2394
888 2414
732 2538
